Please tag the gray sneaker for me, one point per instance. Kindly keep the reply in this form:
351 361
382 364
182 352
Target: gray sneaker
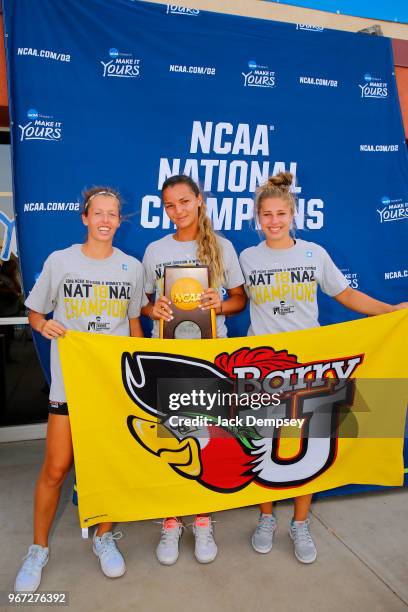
262 539
305 550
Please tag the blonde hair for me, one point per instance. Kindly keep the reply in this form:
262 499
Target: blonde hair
277 186
89 194
208 248
209 251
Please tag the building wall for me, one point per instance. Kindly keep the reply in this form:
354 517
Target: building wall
402 82
293 14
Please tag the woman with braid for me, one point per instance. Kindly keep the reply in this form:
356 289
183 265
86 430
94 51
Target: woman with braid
194 243
280 252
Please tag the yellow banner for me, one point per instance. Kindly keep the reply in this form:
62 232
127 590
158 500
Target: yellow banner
339 398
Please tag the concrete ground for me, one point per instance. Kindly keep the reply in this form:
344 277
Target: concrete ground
362 559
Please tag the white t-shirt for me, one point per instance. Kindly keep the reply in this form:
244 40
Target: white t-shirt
170 252
86 294
282 285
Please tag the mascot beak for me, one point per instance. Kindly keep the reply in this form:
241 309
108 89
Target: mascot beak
181 455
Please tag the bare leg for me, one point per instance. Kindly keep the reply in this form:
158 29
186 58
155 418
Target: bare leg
103 528
266 508
302 507
57 463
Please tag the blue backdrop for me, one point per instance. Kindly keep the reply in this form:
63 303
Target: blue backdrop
126 93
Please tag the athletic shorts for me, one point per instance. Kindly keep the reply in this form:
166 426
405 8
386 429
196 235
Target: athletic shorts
58 408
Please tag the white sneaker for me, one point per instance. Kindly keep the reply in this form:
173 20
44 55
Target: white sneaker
167 550
29 577
205 547
305 549
110 558
262 538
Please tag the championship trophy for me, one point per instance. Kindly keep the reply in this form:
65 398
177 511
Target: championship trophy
183 286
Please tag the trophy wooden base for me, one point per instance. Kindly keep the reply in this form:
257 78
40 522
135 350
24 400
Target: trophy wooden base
183 286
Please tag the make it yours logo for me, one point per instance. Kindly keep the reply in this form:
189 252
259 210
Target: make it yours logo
259 76
121 65
373 87
174 9
392 209
309 27
40 127
352 277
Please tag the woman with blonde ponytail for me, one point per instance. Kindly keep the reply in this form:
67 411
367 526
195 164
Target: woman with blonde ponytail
288 302
194 243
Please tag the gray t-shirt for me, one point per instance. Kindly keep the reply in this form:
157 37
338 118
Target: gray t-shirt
282 285
86 294
170 252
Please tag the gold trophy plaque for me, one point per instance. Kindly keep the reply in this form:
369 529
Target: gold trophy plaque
183 286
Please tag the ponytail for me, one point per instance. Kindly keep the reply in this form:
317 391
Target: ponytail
208 248
277 186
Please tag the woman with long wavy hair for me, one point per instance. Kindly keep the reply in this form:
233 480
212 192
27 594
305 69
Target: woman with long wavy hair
193 243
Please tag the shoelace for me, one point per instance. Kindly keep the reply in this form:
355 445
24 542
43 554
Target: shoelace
108 545
34 558
204 533
169 535
265 524
301 534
